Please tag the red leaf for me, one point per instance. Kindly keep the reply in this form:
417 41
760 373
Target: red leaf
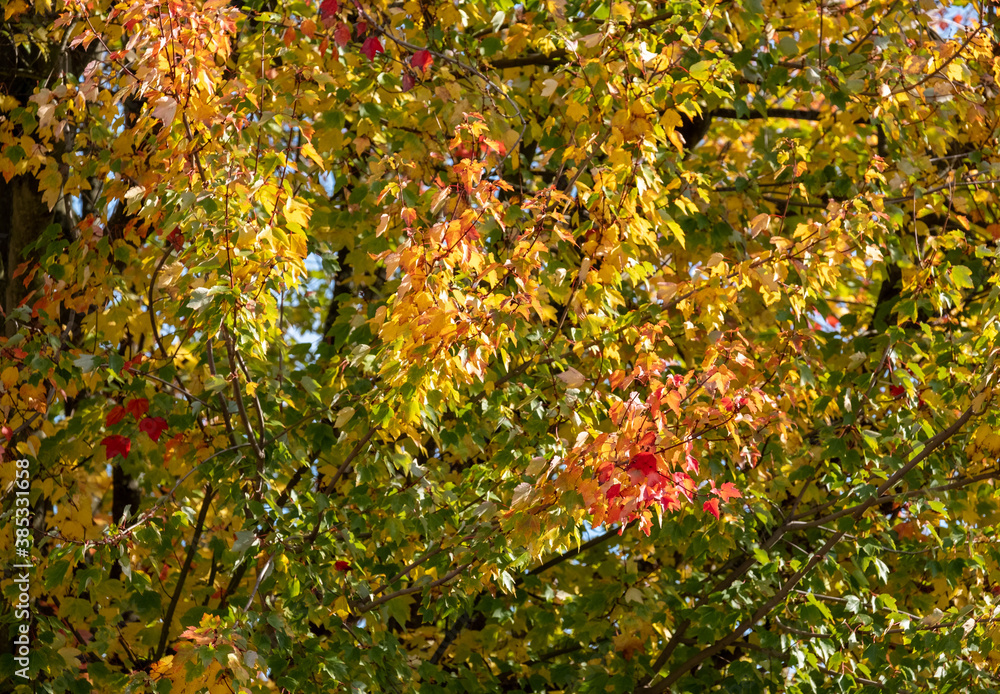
372 47
137 407
176 239
342 34
164 572
342 565
832 321
712 506
728 491
644 463
327 10
132 363
897 391
7 432
116 415
153 427
116 445
422 60
728 404
690 463
613 492
360 29
605 471
408 82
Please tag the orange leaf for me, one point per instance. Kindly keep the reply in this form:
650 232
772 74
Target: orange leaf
728 491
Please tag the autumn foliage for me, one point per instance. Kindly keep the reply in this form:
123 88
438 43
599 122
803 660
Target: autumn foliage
564 346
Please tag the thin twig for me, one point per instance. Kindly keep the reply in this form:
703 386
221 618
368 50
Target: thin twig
413 589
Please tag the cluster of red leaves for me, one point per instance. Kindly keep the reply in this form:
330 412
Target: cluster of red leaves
648 482
726 492
153 427
648 464
653 484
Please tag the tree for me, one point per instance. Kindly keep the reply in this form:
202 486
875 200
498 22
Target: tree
473 347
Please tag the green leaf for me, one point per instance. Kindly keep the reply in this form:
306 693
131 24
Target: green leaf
961 277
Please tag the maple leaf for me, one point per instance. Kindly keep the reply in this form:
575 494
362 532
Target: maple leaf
422 60
907 530
327 10
176 239
164 109
153 427
131 363
116 415
644 463
728 491
488 145
712 506
372 47
572 378
342 34
614 491
605 471
137 407
690 463
628 644
116 445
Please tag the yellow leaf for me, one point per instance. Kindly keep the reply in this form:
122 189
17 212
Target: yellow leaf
15 8
9 376
341 607
343 417
297 213
309 151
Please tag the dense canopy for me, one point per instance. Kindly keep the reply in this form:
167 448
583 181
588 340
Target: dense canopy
561 346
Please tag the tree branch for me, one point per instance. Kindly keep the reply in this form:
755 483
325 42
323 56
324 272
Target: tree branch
185 570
